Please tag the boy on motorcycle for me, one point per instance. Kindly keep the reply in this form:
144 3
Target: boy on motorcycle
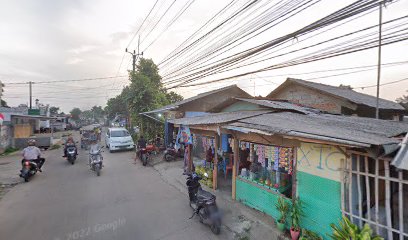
70 141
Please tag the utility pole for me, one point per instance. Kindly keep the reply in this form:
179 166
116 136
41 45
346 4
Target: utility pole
135 55
31 94
377 108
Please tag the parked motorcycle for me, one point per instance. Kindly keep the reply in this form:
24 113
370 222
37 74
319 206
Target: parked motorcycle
171 154
28 170
71 153
96 160
203 203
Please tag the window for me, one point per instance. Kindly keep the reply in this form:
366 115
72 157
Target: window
119 133
269 166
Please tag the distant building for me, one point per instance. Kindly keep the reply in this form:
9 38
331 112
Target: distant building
336 100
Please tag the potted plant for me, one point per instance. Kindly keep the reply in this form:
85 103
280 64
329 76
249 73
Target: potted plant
310 235
295 214
283 207
348 230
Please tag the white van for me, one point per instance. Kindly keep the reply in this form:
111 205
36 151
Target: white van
118 139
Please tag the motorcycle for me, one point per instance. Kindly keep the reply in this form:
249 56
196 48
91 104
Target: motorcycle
29 169
203 203
71 153
96 161
144 155
171 154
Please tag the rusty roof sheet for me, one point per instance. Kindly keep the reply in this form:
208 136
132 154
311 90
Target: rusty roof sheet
359 130
280 105
217 118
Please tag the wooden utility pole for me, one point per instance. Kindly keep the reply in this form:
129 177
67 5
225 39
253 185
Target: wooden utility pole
377 108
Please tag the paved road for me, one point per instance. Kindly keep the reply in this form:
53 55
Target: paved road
69 202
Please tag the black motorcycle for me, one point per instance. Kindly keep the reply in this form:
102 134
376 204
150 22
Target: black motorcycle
29 169
171 154
203 203
71 153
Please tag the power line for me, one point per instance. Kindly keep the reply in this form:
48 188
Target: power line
383 84
69 80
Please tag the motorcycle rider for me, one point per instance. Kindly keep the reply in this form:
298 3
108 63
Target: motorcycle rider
141 143
95 147
33 153
70 141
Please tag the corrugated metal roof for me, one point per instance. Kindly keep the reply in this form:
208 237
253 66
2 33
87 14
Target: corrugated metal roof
348 94
217 118
282 105
401 159
324 125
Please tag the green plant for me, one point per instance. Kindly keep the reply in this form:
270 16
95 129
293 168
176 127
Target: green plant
55 146
283 207
10 150
296 213
310 235
348 230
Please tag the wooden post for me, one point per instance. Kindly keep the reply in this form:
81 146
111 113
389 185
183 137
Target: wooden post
189 158
343 182
368 192
400 205
377 202
350 189
234 168
294 173
387 198
215 169
360 208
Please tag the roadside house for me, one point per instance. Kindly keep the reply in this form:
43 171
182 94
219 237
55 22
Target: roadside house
336 100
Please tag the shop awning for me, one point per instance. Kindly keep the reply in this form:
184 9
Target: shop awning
37 117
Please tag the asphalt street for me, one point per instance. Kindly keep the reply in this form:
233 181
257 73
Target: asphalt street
69 202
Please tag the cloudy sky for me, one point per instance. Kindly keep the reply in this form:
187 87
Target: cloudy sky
44 40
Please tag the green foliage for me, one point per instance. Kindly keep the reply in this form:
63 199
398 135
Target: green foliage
54 110
10 150
75 113
283 207
296 213
144 93
309 235
3 103
55 146
348 230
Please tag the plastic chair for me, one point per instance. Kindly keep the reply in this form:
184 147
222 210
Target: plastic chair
230 165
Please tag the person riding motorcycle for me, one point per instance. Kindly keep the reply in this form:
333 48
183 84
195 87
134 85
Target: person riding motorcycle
141 143
70 141
94 147
33 153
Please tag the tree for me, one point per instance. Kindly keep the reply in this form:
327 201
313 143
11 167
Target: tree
75 113
144 93
3 103
54 110
403 99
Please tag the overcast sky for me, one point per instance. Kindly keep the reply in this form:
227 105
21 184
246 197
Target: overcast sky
44 40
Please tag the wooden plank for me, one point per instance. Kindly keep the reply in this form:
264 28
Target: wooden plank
343 182
350 185
401 205
215 167
388 197
380 177
235 167
360 207
377 202
294 173
368 191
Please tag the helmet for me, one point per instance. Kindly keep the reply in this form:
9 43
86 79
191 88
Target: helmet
31 142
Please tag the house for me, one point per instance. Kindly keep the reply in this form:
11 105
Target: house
337 165
196 106
336 100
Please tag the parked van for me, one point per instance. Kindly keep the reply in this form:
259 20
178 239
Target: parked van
118 139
